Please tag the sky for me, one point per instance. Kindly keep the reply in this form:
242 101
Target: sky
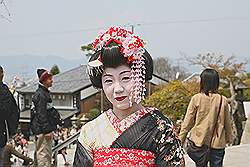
170 28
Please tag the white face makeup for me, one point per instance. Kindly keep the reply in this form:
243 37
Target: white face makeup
117 85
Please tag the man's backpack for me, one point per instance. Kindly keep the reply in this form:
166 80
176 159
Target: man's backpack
55 117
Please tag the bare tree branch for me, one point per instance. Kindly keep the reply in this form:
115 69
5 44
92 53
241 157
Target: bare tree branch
2 16
7 10
164 68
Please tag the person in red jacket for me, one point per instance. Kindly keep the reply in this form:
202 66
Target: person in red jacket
40 120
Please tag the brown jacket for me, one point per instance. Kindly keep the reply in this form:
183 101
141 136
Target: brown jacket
201 118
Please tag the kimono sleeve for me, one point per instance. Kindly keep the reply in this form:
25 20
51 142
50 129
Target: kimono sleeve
84 149
169 151
82 157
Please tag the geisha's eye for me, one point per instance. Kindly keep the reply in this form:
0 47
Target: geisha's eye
108 81
125 78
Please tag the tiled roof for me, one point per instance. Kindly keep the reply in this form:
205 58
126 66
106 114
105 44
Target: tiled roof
66 82
65 113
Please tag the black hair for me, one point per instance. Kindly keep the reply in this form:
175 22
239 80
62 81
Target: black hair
112 57
209 82
1 69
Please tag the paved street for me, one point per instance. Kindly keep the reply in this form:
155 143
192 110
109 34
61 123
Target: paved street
236 156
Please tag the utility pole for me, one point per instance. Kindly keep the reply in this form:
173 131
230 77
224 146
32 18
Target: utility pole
133 26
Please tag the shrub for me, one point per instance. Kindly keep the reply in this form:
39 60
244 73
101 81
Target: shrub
93 113
172 100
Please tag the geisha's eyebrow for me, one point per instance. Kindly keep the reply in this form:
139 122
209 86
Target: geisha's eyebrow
110 75
107 75
124 72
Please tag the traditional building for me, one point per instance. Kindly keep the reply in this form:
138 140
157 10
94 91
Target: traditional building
71 93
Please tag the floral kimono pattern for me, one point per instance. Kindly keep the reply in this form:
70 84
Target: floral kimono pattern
144 138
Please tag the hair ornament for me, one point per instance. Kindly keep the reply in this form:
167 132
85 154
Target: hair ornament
132 48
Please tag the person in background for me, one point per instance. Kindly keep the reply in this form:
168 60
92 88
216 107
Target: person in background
63 151
56 137
41 125
9 115
9 150
208 120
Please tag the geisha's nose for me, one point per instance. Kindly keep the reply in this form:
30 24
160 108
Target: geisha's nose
118 88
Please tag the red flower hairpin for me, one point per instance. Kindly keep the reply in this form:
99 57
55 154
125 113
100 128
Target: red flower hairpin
132 48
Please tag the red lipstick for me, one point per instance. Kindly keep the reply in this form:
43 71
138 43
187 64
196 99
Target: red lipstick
120 98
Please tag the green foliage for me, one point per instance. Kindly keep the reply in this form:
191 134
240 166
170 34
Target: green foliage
86 47
173 99
245 76
247 94
225 92
246 80
55 70
78 123
93 113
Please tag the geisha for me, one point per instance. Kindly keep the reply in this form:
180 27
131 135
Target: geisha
129 134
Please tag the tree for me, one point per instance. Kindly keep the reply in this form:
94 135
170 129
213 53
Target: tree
93 113
55 70
172 100
163 68
87 49
246 80
229 70
5 16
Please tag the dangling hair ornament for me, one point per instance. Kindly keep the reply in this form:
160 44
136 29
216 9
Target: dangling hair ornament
95 67
132 48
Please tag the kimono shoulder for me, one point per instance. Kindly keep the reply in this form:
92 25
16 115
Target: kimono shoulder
97 133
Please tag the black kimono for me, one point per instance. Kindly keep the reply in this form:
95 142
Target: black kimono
144 138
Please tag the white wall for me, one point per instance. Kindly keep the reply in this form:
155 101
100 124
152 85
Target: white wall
88 92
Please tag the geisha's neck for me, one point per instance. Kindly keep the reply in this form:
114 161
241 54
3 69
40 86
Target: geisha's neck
121 114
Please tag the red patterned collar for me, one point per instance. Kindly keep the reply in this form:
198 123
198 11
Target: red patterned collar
122 125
